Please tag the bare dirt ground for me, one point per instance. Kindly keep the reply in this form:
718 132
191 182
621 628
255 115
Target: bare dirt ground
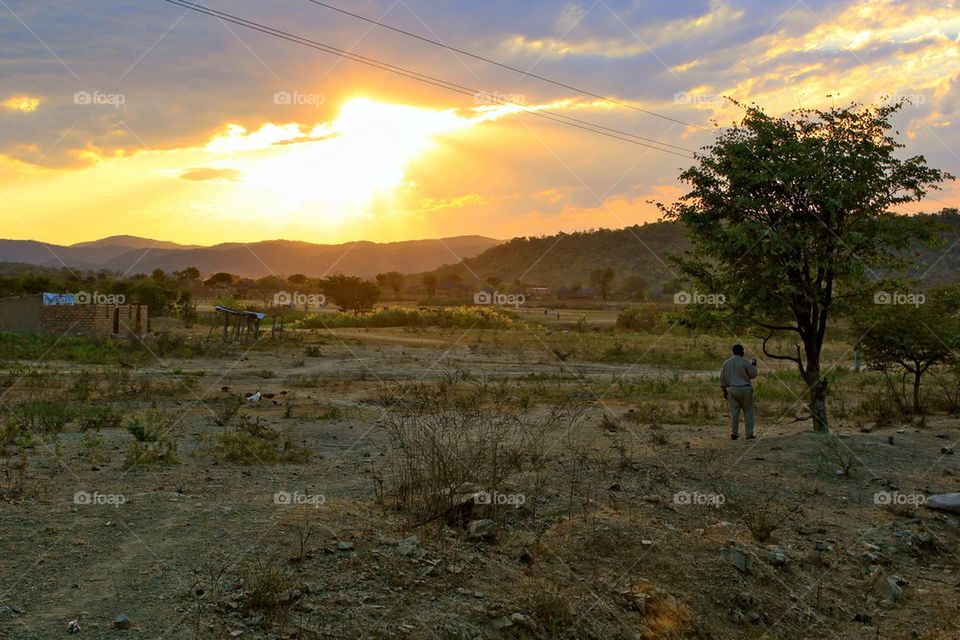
629 524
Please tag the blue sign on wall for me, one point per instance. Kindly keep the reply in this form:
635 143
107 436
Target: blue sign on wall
58 299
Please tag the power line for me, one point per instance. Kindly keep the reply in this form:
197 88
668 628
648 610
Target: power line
432 80
504 65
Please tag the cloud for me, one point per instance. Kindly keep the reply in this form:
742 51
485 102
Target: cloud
201 174
22 104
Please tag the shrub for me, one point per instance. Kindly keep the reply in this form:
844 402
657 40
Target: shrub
455 317
160 451
251 442
104 416
150 426
642 319
43 417
450 436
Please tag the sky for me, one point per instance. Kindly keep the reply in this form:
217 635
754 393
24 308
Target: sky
141 117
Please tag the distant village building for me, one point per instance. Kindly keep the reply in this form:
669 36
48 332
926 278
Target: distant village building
70 314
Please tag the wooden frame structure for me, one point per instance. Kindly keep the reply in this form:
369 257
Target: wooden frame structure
239 325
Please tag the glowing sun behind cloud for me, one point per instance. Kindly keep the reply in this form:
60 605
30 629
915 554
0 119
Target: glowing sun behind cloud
336 170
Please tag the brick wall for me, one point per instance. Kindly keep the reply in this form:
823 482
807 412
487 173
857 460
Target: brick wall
21 314
95 320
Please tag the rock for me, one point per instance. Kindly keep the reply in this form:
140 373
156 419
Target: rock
944 502
947 451
236 633
343 545
745 600
737 616
753 617
407 546
73 626
615 487
777 557
503 622
883 586
482 530
122 622
739 560
891 589
519 619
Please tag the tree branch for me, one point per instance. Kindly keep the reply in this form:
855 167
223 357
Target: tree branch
779 356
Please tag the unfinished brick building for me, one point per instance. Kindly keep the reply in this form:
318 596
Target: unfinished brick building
55 314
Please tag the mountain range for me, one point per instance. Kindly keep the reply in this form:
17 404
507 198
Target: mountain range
131 255
554 261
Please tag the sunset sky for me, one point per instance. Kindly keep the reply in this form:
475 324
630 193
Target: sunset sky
140 117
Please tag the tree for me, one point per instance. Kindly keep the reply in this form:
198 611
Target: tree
298 279
634 287
350 293
911 331
219 279
450 280
429 280
602 279
190 274
391 280
786 211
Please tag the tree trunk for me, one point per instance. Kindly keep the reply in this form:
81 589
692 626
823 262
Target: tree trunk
916 390
817 388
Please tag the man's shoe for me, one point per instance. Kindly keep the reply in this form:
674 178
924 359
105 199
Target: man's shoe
734 436
751 437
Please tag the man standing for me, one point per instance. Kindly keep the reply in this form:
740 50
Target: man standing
735 377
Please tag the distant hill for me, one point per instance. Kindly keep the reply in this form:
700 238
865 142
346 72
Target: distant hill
643 250
568 258
129 254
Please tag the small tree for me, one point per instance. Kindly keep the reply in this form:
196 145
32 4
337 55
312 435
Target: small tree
913 332
429 280
391 280
784 212
350 293
602 279
634 287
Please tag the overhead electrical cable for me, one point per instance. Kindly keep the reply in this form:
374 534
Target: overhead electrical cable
438 82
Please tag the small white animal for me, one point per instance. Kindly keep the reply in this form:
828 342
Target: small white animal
254 397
